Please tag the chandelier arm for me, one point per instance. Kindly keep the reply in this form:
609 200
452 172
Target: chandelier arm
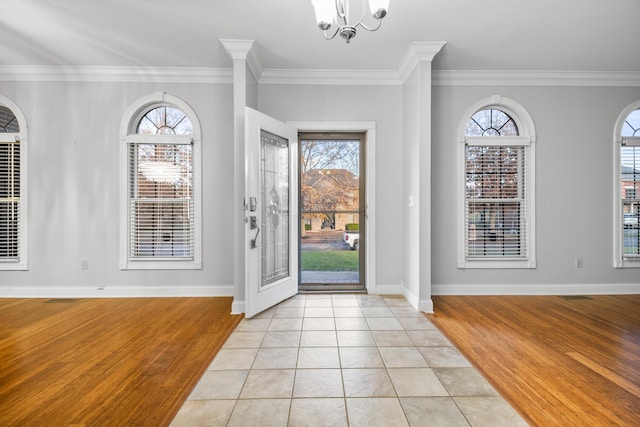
341 13
345 17
335 33
362 24
341 9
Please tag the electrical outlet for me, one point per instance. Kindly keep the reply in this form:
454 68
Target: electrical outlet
578 262
84 264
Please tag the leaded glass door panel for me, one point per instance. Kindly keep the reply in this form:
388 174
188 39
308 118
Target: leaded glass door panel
271 197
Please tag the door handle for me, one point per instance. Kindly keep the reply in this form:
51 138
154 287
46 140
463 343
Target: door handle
253 241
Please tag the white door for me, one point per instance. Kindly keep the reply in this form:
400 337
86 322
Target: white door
271 197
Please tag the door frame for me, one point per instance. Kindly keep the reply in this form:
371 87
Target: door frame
361 137
369 128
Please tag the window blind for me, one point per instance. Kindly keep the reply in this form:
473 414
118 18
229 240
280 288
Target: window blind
630 198
9 200
495 202
161 203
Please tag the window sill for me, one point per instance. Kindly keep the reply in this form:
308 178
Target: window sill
160 265
13 266
627 263
496 264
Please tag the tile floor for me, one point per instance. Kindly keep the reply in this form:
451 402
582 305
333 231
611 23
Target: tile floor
342 360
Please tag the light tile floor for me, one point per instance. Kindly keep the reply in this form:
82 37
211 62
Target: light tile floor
342 360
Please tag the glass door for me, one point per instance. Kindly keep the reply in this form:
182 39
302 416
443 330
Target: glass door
271 231
332 208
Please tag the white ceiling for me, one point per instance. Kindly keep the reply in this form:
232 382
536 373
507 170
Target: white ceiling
560 35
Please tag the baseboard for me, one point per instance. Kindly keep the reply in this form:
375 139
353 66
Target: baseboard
411 297
539 289
116 292
426 306
237 307
389 290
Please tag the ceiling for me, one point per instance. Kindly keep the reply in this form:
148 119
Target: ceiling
568 35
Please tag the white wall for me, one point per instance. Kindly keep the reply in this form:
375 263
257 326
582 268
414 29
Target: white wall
574 184
380 104
73 190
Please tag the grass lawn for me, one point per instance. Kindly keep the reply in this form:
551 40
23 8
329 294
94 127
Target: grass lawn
330 261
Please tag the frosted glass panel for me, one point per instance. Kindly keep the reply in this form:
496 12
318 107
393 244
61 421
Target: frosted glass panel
274 185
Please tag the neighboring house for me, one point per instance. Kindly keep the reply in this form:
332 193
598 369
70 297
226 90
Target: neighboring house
330 199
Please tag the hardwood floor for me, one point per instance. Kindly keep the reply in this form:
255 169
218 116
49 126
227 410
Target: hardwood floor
559 361
105 362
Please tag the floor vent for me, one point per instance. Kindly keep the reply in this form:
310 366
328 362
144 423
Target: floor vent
60 300
575 297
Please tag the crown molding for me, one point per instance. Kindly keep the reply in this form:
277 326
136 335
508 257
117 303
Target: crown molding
535 78
330 77
418 52
237 49
36 73
244 50
501 78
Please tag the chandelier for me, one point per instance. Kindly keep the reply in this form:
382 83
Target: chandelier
329 12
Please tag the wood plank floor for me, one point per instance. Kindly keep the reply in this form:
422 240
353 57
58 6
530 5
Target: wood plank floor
105 362
559 361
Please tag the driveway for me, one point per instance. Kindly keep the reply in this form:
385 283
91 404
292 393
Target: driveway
324 240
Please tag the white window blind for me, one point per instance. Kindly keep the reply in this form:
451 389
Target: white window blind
495 201
629 181
161 202
9 198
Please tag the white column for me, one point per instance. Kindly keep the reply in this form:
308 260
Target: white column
415 73
239 51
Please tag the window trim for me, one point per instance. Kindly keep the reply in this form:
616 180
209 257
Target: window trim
618 139
128 128
526 138
22 136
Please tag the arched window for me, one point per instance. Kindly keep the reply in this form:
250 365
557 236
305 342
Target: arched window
13 187
162 182
627 188
491 122
496 191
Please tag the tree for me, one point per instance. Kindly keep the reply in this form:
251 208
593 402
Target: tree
329 154
330 179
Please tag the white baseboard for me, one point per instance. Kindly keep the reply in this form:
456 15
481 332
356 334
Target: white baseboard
389 290
237 307
413 299
426 305
539 289
116 292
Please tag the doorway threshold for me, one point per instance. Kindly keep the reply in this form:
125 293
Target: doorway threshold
331 287
329 290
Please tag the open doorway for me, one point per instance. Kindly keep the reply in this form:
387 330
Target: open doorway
332 211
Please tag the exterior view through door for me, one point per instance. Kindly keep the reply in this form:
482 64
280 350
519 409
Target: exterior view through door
332 225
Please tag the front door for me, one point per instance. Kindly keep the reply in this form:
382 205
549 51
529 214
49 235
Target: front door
332 211
271 200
